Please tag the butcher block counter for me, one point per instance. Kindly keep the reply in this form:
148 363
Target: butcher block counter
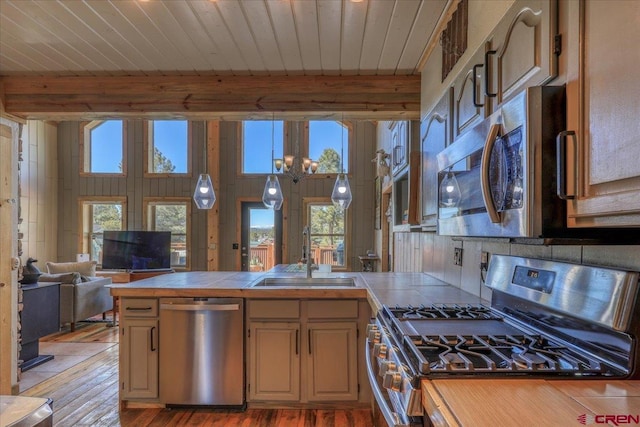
515 402
449 402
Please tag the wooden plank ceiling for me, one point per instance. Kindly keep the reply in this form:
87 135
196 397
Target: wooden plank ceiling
227 59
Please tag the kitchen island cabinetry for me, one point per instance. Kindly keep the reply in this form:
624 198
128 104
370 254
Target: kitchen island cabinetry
603 110
309 342
139 348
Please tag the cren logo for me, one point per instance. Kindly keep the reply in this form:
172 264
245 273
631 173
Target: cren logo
586 419
616 420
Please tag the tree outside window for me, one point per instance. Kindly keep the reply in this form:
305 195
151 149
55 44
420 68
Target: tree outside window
168 147
327 226
99 216
171 215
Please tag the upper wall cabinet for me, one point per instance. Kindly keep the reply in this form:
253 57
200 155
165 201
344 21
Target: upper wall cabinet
470 106
435 133
604 112
399 146
522 50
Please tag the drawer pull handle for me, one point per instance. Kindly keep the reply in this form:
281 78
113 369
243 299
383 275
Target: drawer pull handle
138 308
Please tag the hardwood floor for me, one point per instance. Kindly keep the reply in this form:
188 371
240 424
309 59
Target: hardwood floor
87 395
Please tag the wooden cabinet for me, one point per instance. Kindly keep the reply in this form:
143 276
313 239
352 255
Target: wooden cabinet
139 348
522 49
435 132
332 361
310 342
603 108
399 146
470 105
274 360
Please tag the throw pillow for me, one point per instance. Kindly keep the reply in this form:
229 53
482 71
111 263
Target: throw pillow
84 268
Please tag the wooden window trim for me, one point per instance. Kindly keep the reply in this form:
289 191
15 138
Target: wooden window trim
83 220
309 201
147 134
84 147
186 201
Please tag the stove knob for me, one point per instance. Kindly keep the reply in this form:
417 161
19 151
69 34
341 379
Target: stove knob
387 366
392 380
374 336
380 350
371 327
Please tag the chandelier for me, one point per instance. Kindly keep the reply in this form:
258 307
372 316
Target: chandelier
295 166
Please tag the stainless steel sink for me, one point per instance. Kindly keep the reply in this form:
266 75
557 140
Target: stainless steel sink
304 282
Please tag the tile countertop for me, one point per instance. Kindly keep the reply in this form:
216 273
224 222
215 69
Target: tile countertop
378 288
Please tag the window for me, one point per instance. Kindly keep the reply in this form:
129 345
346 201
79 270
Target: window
328 232
168 147
102 147
325 145
171 214
256 145
100 214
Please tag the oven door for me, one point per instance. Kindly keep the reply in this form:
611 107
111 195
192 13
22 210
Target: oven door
482 178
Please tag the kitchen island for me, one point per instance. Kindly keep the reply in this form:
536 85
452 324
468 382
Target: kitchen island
446 401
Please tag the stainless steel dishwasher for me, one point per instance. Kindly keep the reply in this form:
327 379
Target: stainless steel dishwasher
202 351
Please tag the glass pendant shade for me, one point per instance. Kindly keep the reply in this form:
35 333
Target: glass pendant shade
204 196
341 195
272 195
449 191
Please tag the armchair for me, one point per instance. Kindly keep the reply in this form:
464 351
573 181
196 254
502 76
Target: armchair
82 294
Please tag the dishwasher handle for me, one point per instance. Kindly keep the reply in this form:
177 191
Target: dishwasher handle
200 307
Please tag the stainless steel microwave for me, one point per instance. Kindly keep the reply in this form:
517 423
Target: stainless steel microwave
499 179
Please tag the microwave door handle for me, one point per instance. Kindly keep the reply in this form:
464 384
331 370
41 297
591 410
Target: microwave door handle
561 164
494 216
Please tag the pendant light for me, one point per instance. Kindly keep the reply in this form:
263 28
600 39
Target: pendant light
341 195
204 196
449 191
272 195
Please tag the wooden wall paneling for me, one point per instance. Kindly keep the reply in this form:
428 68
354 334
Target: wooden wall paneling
212 242
8 250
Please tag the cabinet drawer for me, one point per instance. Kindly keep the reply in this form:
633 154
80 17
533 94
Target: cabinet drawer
332 309
139 307
274 309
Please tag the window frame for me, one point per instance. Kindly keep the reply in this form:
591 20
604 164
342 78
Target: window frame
147 135
349 126
289 136
149 202
85 223
307 202
84 147
240 148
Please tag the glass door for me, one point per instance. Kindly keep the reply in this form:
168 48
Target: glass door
261 237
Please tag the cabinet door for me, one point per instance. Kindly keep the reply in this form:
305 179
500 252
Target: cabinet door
139 358
274 361
522 49
436 135
332 361
470 106
605 111
399 146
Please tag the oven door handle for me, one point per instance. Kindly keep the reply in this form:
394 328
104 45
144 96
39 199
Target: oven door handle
494 216
393 419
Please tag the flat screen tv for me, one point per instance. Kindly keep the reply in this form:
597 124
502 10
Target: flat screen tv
136 250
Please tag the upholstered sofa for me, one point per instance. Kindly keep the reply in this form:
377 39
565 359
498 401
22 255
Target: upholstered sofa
82 294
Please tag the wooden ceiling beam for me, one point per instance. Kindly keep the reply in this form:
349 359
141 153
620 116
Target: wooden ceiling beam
211 97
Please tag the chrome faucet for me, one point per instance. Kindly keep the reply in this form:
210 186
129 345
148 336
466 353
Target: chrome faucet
306 251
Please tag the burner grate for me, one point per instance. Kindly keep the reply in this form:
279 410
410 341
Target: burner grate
444 311
496 354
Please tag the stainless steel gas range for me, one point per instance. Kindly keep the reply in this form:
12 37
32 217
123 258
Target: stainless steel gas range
547 319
